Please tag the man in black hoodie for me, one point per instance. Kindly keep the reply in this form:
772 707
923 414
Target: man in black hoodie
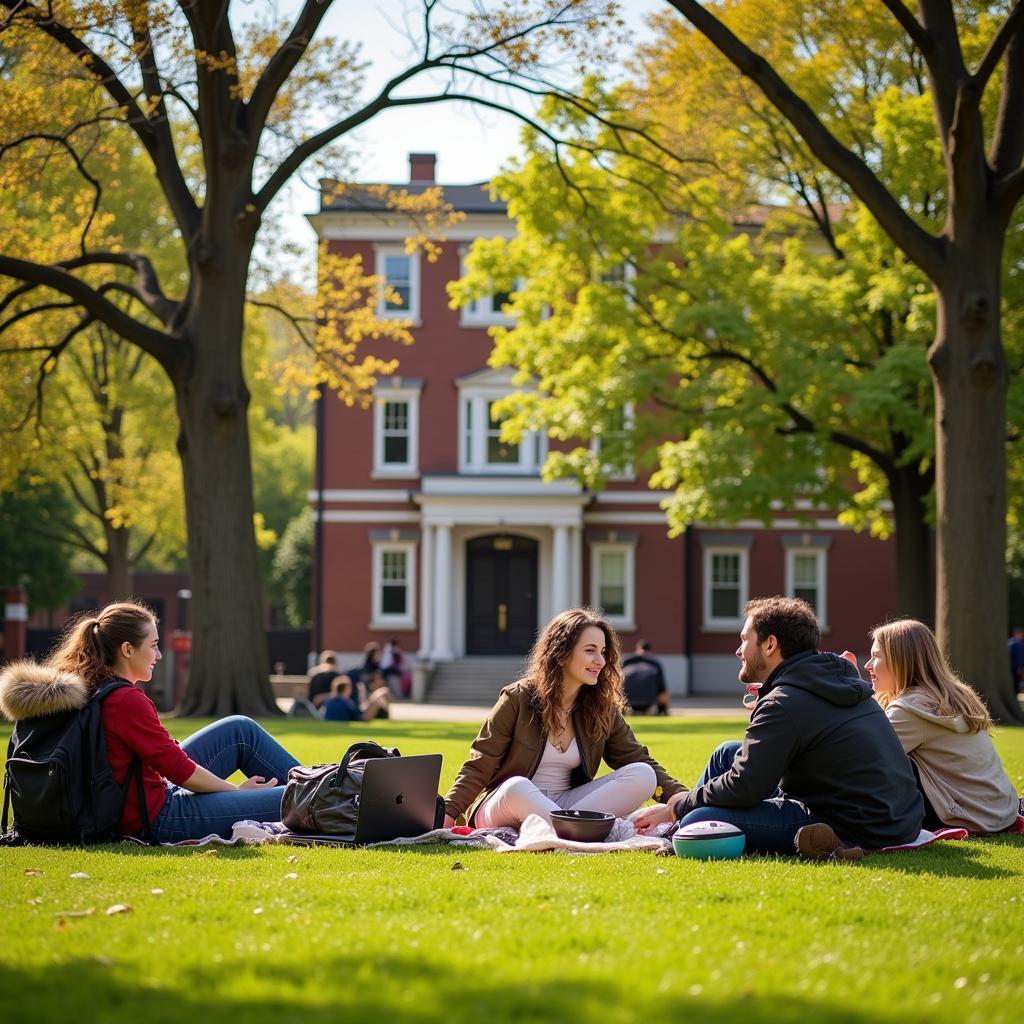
820 770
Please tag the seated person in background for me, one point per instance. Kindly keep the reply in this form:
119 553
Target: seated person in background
944 728
393 666
378 697
342 708
644 681
820 768
321 678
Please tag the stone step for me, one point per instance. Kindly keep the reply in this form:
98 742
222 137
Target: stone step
469 681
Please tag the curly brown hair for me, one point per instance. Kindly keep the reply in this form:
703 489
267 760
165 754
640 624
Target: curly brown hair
598 705
90 643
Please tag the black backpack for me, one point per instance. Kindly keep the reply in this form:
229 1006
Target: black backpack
59 781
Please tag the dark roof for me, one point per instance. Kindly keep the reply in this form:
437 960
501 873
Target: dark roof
474 198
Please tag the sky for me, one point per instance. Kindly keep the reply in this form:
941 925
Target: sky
471 143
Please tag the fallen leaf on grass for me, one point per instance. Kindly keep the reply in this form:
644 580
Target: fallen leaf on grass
32 872
291 874
36 902
76 913
78 874
118 908
293 859
208 853
457 866
156 892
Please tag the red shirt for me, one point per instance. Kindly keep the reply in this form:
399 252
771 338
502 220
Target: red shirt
134 729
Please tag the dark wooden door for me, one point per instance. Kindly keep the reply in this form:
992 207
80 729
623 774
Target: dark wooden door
501 594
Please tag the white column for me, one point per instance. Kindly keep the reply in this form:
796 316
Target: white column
442 592
426 591
576 566
560 570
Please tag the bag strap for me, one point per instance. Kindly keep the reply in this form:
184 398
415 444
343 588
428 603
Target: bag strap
7 785
140 790
135 768
361 751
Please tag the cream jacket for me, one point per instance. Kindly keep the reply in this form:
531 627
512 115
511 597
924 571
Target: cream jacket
960 771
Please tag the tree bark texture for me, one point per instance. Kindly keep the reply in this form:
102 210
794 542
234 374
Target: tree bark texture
969 372
915 544
229 672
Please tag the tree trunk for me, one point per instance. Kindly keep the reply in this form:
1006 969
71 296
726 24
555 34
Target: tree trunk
229 672
119 574
915 544
970 378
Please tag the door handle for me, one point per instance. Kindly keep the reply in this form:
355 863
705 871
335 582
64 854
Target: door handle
502 617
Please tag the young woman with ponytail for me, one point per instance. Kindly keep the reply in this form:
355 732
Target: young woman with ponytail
187 794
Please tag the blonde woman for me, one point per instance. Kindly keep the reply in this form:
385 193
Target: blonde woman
944 729
545 738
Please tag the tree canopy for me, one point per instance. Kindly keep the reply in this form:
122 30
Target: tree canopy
227 107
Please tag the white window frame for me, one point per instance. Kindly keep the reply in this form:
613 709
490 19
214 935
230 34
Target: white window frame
473 427
481 312
819 554
381 252
627 472
627 620
628 275
396 470
730 623
389 620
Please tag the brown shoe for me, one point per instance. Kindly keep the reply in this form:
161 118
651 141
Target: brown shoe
819 842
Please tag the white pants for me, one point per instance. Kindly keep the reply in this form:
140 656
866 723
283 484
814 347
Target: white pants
619 792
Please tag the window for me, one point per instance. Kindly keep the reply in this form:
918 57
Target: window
396 428
611 581
619 275
394 583
499 453
488 309
617 437
482 450
805 576
725 586
399 272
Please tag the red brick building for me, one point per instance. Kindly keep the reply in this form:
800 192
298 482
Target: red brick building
435 532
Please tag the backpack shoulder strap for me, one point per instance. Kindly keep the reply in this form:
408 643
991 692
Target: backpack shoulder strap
107 688
7 786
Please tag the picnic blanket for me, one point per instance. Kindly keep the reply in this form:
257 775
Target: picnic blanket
535 836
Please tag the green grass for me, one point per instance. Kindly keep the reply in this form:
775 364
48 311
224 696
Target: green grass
441 934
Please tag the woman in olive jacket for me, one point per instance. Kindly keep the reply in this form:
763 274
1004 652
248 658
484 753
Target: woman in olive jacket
544 740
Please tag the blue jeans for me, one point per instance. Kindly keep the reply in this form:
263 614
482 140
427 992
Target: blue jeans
770 826
228 745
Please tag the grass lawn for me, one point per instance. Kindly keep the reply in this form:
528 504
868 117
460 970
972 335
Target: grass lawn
440 934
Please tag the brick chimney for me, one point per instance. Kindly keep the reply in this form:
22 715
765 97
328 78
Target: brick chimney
422 166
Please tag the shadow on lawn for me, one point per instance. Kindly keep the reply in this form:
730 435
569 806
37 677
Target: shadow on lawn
376 986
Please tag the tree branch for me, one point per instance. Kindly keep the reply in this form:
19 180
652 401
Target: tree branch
157 141
925 250
162 347
1008 31
280 66
1007 148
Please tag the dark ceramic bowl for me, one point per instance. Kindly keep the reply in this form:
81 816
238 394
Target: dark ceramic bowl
582 826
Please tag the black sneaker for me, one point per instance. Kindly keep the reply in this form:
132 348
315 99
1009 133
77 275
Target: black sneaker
819 842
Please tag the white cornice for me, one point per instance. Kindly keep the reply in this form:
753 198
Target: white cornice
484 488
397 227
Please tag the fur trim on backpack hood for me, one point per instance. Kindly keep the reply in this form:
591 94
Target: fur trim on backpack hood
29 690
